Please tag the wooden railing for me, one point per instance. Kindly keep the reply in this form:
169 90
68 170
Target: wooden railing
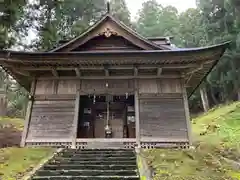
100 143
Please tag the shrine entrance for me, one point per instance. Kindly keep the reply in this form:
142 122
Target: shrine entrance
106 117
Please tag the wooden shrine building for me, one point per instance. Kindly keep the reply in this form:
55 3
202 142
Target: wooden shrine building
110 87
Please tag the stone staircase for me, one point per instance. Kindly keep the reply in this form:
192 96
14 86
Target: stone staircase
96 164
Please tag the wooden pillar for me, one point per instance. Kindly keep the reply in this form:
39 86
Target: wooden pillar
187 114
28 113
137 119
75 120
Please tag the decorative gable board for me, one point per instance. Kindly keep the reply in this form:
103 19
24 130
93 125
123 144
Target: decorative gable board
102 43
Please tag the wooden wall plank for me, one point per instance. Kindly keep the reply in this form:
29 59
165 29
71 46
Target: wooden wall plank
45 87
163 118
51 119
159 86
67 87
148 86
118 86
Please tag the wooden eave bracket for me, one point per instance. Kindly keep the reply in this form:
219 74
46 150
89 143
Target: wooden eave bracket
135 71
106 72
78 73
55 73
159 71
191 73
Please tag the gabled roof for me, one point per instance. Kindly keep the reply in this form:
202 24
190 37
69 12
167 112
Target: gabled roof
108 25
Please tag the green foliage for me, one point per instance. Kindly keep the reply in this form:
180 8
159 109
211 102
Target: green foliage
10 13
212 22
66 19
216 136
15 162
219 125
120 11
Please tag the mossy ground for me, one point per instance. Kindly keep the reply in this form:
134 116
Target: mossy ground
16 162
216 136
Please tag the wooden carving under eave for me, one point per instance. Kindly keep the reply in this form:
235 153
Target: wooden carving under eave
108 33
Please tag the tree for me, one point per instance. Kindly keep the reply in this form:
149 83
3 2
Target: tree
148 21
10 13
120 11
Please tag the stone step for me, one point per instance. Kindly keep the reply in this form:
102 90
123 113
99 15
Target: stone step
82 158
95 155
85 178
98 150
96 162
86 172
89 166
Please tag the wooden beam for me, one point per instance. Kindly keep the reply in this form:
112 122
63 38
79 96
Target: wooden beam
111 77
78 73
187 113
160 95
192 71
120 67
28 115
54 97
111 91
75 120
54 72
20 71
137 119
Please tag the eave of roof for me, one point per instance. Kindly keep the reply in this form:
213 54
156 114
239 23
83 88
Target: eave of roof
181 56
160 38
9 53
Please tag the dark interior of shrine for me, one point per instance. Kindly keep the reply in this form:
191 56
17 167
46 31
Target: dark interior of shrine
95 114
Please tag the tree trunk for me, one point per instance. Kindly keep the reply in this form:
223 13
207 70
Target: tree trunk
3 105
204 98
215 101
238 93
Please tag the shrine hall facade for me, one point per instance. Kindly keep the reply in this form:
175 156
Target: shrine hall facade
110 87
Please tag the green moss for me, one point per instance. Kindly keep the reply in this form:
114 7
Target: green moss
216 135
15 162
14 122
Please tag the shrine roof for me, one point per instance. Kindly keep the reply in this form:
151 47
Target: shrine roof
110 42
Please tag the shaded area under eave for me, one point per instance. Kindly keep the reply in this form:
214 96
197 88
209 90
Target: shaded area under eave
205 58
